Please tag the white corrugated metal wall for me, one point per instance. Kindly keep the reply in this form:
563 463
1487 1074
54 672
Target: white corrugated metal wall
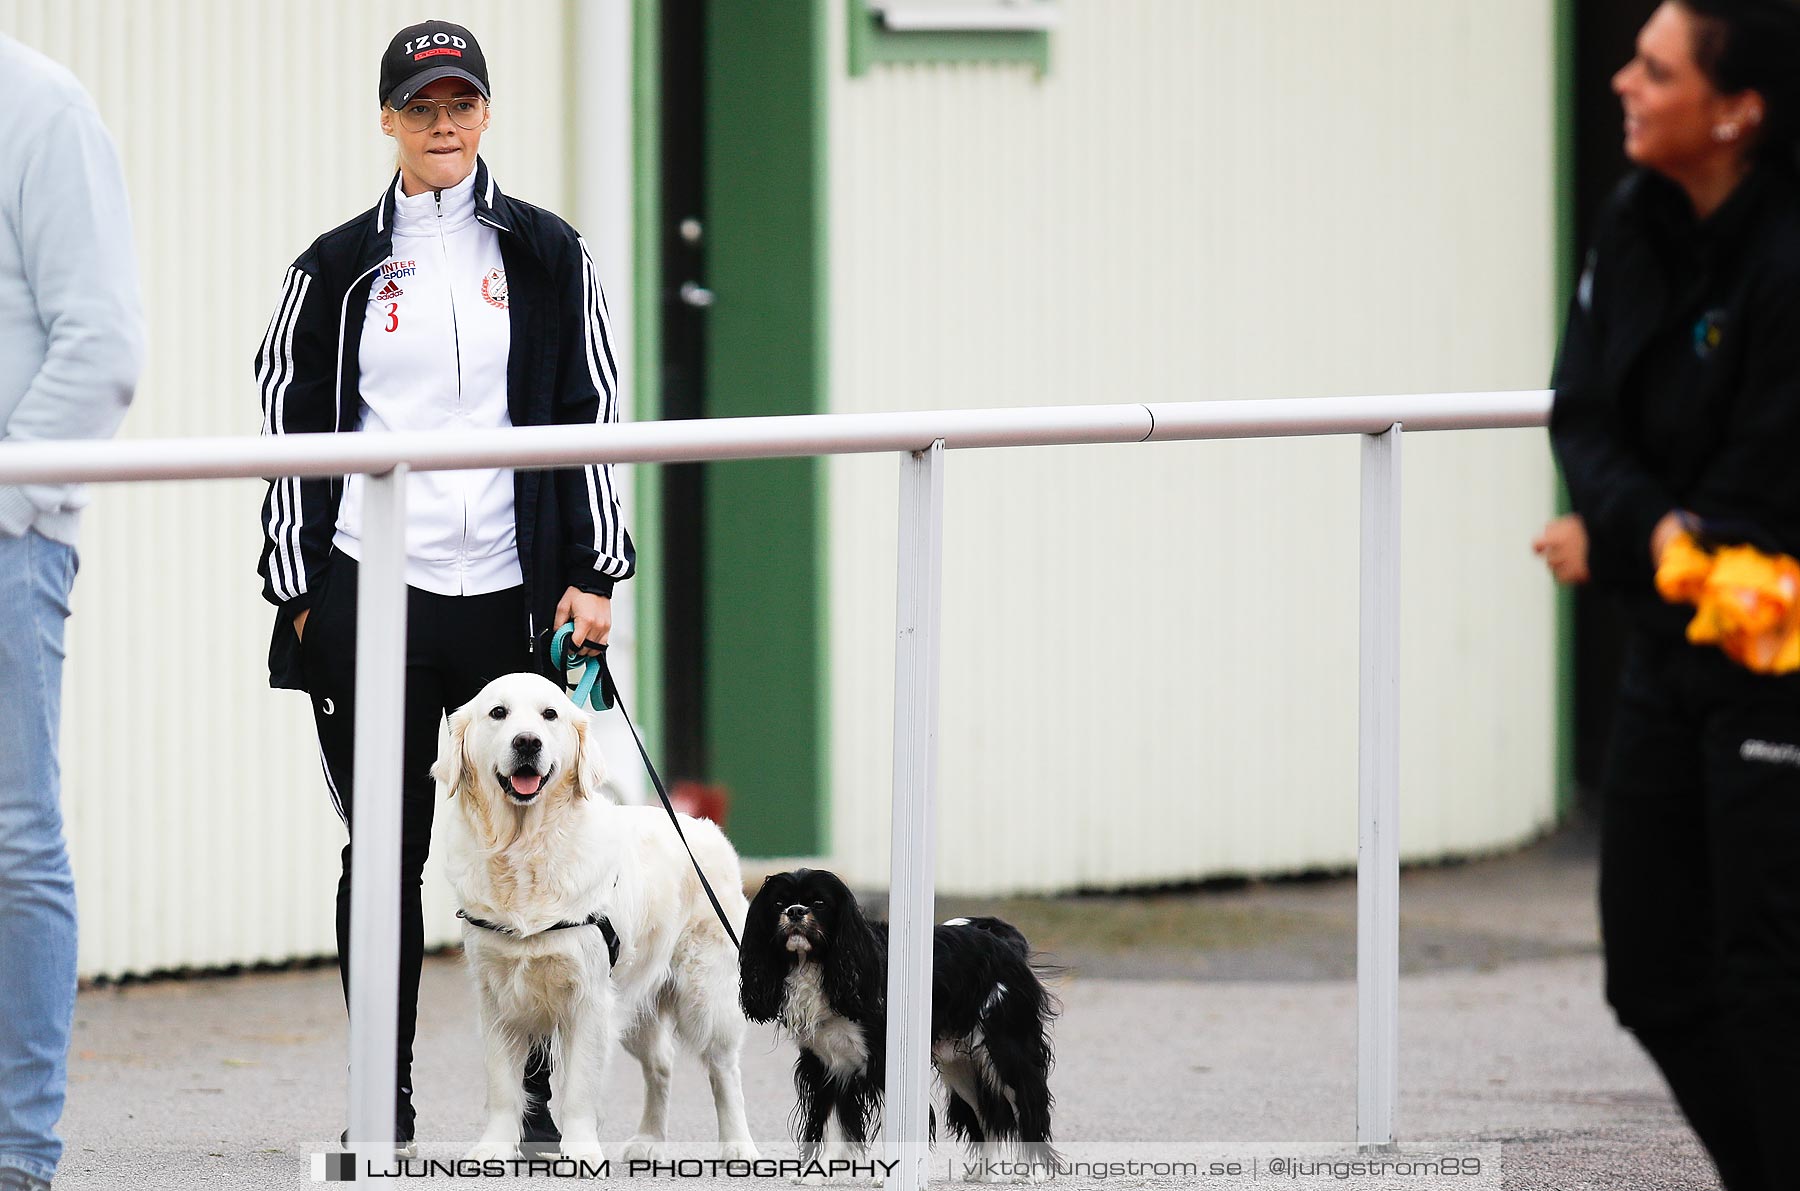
198 822
1149 652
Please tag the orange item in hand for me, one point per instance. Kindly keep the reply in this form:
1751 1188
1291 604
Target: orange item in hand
1745 602
1682 570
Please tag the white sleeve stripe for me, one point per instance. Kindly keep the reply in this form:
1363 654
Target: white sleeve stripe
281 567
290 540
613 562
612 365
607 529
603 371
606 380
277 490
269 337
278 495
587 300
587 311
601 390
287 577
278 514
594 510
288 487
296 514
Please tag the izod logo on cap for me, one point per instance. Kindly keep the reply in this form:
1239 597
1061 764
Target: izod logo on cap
436 45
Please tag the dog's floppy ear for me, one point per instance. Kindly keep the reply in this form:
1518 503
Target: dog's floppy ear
452 769
590 763
855 978
762 965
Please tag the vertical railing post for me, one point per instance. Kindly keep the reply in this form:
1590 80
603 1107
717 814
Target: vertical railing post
915 815
1378 795
375 860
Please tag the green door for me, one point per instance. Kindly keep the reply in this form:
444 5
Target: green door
734 630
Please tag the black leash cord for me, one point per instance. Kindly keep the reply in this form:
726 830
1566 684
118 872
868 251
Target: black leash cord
604 694
656 780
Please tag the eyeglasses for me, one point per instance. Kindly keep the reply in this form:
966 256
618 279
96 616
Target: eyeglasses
419 114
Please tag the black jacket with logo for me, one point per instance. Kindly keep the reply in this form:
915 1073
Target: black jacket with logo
1678 383
560 370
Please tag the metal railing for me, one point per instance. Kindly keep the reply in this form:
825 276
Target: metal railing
922 439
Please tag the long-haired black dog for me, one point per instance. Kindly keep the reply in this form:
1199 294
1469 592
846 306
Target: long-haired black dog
812 962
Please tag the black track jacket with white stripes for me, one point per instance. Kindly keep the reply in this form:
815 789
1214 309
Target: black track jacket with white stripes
561 370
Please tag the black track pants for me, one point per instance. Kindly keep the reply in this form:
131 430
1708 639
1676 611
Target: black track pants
1700 895
455 645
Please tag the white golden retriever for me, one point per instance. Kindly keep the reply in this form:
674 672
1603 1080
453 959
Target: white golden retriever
531 844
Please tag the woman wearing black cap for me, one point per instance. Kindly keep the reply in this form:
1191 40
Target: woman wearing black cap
1678 411
446 305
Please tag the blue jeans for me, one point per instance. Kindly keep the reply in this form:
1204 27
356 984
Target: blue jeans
37 890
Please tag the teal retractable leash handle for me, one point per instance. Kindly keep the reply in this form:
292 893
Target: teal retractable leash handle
595 689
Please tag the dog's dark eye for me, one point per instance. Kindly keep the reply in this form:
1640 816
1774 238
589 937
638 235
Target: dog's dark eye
549 713
499 713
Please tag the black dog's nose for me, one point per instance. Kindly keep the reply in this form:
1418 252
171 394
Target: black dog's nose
796 912
527 744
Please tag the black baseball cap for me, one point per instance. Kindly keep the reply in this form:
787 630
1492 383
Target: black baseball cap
426 52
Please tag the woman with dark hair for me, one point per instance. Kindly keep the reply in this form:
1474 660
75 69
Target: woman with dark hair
1677 419
447 305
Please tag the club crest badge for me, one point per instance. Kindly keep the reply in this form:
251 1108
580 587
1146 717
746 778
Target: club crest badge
1708 333
493 288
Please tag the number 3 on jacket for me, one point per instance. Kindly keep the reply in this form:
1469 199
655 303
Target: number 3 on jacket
393 323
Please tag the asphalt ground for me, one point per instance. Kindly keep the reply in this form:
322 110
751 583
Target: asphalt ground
1201 1026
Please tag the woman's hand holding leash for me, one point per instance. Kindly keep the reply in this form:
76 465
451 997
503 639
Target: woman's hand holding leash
592 615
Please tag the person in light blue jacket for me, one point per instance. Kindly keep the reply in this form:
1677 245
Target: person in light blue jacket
71 344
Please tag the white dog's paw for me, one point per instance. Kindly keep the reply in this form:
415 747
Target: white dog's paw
808 1180
493 1149
738 1151
585 1151
642 1148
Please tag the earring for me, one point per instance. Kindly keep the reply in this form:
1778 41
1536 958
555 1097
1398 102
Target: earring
1725 132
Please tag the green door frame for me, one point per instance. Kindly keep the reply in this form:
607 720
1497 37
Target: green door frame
765 655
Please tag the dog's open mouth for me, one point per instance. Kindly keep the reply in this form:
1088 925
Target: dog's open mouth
798 938
523 784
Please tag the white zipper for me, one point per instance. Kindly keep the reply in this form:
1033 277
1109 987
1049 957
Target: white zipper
456 341
530 616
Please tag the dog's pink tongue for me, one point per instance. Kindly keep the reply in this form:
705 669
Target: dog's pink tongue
526 784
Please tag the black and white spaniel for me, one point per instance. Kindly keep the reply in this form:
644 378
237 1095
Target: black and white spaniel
811 961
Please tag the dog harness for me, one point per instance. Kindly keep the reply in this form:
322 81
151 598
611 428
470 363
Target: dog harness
595 919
